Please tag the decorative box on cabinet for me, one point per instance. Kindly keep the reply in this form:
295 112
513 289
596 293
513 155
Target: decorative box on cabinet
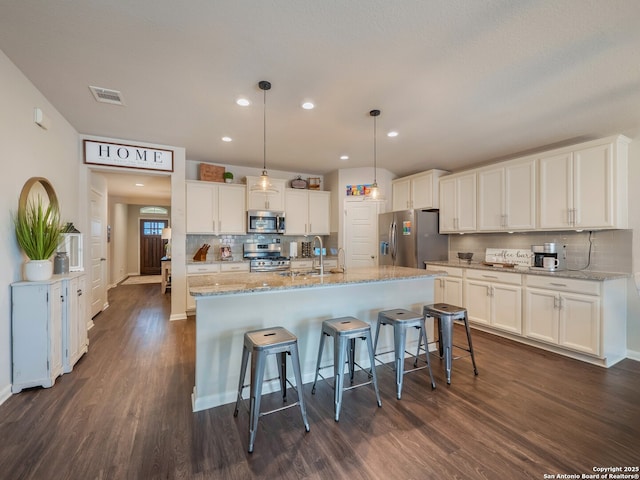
417 191
307 212
257 200
216 208
585 186
48 329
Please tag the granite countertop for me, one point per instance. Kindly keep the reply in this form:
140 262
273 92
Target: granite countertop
576 274
222 284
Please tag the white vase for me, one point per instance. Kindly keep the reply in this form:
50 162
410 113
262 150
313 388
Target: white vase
38 270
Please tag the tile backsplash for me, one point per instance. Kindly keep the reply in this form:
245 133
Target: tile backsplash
604 251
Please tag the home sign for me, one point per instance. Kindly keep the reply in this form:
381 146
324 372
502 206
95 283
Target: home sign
127 156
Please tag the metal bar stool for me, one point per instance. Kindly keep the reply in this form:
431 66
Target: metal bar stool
260 344
446 314
345 331
402 320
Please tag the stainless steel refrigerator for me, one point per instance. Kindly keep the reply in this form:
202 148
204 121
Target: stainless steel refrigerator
408 238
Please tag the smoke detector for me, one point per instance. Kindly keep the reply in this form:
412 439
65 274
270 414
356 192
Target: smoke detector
105 95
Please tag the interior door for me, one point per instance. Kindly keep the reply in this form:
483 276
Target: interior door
98 249
361 234
151 246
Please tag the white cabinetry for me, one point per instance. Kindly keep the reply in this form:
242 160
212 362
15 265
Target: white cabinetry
458 203
585 186
507 196
417 191
49 329
215 208
307 212
257 200
495 299
448 289
198 269
564 312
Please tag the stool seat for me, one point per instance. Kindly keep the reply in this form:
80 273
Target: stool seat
261 343
446 314
345 331
401 320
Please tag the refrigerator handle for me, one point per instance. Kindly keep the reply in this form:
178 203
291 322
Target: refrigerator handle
394 240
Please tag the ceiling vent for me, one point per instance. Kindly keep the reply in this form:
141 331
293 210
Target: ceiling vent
104 95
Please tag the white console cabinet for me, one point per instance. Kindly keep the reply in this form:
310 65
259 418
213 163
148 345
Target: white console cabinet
48 329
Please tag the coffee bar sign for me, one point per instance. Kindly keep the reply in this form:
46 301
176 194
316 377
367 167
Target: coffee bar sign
127 156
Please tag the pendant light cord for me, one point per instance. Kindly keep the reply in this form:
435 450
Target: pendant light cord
264 131
375 156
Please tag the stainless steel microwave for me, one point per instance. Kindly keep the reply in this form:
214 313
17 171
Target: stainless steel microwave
265 221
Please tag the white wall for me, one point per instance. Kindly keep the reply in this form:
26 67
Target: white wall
633 299
29 151
118 245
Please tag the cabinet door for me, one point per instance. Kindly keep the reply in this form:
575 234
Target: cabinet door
491 201
506 307
319 205
201 205
83 340
422 191
478 301
580 323
541 315
55 331
452 293
231 209
70 331
257 200
466 203
297 212
555 195
520 196
401 196
447 205
593 187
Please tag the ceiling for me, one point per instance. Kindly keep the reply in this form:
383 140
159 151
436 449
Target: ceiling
463 82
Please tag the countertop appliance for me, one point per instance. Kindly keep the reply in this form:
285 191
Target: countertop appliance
549 257
265 257
408 238
265 221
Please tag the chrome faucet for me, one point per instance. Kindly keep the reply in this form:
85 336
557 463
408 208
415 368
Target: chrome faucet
313 243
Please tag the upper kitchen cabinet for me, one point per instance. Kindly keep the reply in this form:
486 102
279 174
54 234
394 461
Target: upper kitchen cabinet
417 191
307 212
507 196
257 200
216 208
585 186
458 203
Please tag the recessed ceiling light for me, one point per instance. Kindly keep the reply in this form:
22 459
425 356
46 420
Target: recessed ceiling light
139 184
344 157
392 134
308 105
243 102
226 139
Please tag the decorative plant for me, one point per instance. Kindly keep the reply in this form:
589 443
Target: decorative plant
38 229
228 176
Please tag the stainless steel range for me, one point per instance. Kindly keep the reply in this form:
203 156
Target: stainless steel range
265 257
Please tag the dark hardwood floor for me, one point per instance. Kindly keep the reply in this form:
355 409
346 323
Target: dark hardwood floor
125 413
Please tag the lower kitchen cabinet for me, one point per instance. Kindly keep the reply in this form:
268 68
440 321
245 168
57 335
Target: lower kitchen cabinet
494 299
196 269
557 315
448 289
48 329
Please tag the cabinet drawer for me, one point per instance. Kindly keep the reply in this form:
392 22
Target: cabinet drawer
301 264
586 287
491 276
330 263
451 271
204 268
234 267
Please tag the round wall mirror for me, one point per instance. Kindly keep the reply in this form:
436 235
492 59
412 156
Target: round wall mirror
38 187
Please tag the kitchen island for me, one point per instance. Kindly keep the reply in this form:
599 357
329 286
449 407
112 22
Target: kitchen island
229 305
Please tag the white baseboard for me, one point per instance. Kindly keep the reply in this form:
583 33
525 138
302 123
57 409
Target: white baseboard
633 355
177 316
5 394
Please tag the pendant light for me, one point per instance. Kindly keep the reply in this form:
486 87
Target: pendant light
264 185
374 193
